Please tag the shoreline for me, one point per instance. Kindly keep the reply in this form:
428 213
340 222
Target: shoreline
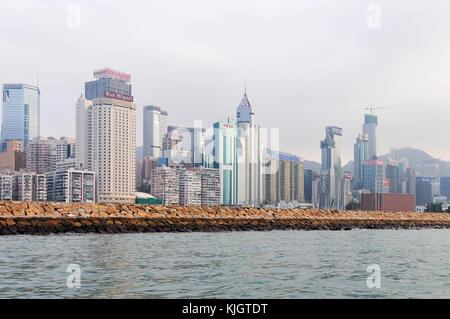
52 218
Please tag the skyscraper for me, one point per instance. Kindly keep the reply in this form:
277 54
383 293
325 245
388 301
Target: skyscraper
39 156
20 113
110 142
221 154
361 154
331 191
155 130
370 128
373 175
247 154
308 185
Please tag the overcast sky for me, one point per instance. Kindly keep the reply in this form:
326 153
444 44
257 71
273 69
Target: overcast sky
307 64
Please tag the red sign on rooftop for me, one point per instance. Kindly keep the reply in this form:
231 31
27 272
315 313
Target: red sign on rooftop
109 73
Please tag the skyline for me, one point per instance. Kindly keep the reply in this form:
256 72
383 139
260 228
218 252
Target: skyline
202 76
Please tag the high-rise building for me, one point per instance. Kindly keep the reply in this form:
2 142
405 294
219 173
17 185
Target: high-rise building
308 185
109 147
221 153
109 83
190 185
210 186
63 152
392 175
424 194
71 186
39 156
286 183
28 187
411 176
155 130
6 187
81 132
13 158
361 154
165 185
248 162
112 149
143 174
20 113
331 192
370 129
373 175
445 187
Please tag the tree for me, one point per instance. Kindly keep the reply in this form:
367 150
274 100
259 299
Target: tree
434 208
353 205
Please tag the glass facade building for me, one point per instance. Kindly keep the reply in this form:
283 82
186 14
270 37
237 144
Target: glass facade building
20 113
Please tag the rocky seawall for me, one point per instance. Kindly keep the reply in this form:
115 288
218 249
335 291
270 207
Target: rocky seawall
48 218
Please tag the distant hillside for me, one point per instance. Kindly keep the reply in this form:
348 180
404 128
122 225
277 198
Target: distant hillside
417 159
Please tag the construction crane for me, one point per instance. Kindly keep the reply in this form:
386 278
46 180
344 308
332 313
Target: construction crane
371 108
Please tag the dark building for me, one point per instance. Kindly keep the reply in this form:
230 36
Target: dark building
445 187
388 202
308 185
423 191
111 84
392 175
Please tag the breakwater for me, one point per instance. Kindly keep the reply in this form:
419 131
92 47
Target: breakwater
47 218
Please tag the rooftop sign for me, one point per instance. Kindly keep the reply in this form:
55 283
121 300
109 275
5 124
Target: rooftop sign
109 73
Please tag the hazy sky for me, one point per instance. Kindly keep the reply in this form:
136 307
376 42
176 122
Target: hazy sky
308 64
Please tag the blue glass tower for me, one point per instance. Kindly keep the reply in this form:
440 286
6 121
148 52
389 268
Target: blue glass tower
20 113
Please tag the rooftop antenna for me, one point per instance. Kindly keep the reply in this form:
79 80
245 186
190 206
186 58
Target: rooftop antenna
371 108
37 79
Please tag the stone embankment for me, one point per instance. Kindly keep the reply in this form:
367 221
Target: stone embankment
46 218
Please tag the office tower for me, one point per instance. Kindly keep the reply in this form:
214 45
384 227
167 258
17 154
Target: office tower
431 170
330 174
109 83
220 153
347 188
71 186
29 187
210 186
39 156
392 175
112 149
155 130
423 191
370 129
165 185
81 132
190 186
13 158
373 175
386 185
6 187
249 174
308 185
361 154
445 187
20 113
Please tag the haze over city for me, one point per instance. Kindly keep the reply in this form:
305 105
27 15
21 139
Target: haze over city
307 64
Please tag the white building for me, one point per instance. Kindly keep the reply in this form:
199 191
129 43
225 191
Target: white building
155 130
111 148
71 186
6 187
190 186
165 185
81 131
